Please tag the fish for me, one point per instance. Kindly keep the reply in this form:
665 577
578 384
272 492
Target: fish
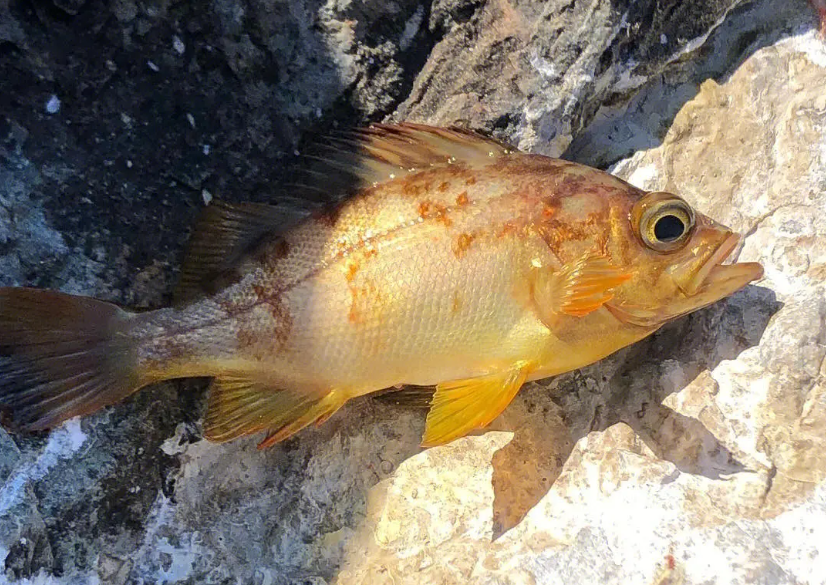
454 261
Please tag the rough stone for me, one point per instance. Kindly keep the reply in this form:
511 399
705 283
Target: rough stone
695 456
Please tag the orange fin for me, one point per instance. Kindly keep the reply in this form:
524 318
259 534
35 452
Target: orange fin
62 356
241 406
382 152
461 406
222 234
578 288
317 413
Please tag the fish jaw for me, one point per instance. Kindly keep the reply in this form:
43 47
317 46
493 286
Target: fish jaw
695 288
724 280
714 280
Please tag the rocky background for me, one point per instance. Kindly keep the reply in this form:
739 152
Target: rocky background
696 456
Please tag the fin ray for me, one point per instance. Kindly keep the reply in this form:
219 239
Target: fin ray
578 288
461 406
240 406
380 152
61 356
222 234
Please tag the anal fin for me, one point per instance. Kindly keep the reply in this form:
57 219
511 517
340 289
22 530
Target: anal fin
461 406
240 406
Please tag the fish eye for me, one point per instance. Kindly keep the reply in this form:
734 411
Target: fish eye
665 222
669 228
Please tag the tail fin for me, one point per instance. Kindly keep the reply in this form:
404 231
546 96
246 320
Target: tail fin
62 356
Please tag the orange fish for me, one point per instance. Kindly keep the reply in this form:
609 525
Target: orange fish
458 262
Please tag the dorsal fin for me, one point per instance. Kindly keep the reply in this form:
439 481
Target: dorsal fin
364 157
222 234
340 165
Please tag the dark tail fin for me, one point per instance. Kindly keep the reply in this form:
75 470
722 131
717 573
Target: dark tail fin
62 356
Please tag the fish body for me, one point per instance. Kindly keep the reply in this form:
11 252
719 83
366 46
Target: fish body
458 263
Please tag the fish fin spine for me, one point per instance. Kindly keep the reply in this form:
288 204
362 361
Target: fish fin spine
461 406
383 152
240 405
580 287
62 356
223 233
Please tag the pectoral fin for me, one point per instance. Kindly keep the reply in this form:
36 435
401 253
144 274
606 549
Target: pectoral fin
578 288
461 406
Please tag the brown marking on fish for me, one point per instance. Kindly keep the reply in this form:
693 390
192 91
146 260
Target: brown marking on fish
550 208
534 164
247 339
443 186
571 185
328 217
410 188
431 210
507 229
457 302
282 321
353 316
556 233
470 180
281 249
462 199
365 298
352 267
370 250
463 242
415 186
269 252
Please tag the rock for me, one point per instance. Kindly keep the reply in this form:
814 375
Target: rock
695 456
536 71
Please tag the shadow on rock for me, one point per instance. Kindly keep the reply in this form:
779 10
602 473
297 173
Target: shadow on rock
628 387
646 113
152 111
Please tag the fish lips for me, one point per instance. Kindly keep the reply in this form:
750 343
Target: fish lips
711 283
716 280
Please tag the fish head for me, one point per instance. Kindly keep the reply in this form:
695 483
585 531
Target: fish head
677 258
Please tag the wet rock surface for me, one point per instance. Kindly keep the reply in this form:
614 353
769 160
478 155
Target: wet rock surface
695 455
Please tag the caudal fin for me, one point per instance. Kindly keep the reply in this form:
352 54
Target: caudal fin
61 356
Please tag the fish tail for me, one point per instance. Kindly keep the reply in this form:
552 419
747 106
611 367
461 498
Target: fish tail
62 356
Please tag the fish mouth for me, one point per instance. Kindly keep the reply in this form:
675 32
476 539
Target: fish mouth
716 280
712 282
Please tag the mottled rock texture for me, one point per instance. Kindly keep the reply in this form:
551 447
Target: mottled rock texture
696 456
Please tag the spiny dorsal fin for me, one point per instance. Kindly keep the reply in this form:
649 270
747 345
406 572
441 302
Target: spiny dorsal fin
381 152
222 234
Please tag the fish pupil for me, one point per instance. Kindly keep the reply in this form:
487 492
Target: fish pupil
669 228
